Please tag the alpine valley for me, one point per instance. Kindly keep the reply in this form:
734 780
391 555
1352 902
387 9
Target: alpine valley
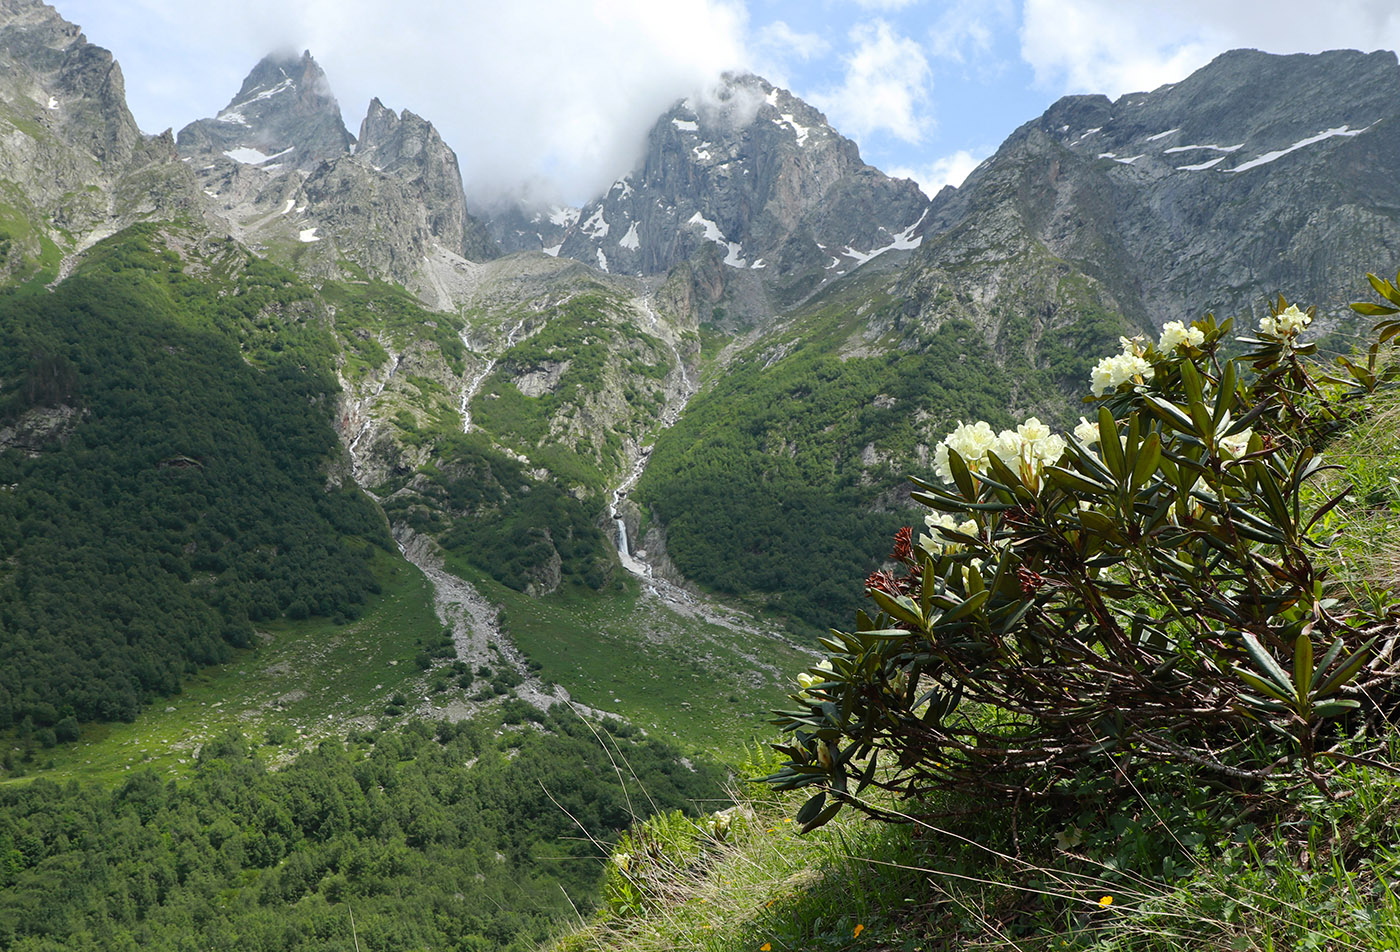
356 542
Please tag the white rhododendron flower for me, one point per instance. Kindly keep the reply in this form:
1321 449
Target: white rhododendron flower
807 681
1176 334
972 441
1050 449
1112 371
1237 444
973 565
1027 449
1040 445
1033 431
1086 432
1007 447
1286 324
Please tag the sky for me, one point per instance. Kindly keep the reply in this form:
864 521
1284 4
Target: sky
552 99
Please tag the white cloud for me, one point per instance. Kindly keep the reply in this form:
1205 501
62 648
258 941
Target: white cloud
886 85
1114 47
948 170
560 94
785 41
968 29
886 5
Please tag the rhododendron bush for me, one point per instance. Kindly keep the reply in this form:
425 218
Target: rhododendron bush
1144 588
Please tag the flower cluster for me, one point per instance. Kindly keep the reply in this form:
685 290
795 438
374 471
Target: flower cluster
1176 334
1286 324
935 543
972 441
1129 365
1032 446
1028 448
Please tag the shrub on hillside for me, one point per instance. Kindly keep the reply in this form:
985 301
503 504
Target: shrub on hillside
1145 589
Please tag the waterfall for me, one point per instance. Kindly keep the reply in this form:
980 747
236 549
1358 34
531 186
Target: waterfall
622 548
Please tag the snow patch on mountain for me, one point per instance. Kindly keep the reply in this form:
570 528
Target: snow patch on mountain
800 131
1268 157
596 226
247 156
1215 148
563 216
712 232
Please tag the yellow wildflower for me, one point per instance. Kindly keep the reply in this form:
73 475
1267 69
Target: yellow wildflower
1105 902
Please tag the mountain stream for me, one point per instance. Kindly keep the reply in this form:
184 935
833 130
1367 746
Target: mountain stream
469 392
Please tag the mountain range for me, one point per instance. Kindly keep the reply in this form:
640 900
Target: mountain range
449 512
735 355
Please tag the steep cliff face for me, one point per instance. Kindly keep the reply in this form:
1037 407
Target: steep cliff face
752 176
73 163
408 148
396 198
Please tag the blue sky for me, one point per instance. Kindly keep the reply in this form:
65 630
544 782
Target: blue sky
554 97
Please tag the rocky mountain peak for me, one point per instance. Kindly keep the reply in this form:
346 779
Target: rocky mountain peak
1244 104
747 174
281 170
409 149
76 163
1257 175
395 141
284 115
54 75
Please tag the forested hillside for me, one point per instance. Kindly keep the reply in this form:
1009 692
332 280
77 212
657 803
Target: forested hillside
166 489
455 837
787 477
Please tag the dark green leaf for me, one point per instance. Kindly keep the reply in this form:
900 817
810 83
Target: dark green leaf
1265 662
